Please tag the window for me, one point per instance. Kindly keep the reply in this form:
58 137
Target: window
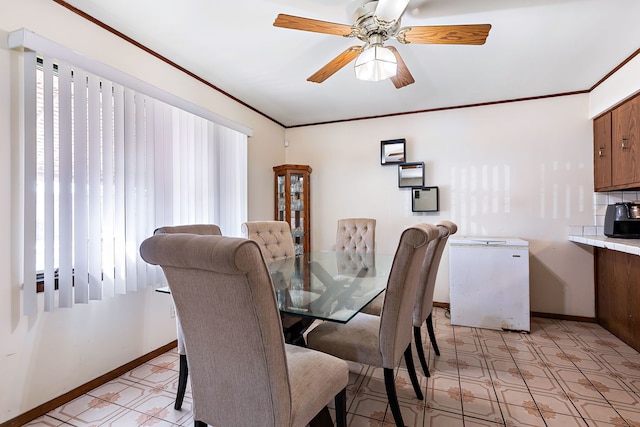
106 164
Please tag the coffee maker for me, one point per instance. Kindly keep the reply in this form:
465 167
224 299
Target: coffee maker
622 220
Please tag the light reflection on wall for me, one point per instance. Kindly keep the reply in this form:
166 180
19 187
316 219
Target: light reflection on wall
486 199
477 192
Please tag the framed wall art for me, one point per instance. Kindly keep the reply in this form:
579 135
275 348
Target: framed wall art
392 151
425 199
411 174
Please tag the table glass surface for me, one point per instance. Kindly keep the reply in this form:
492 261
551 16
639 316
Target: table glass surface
327 285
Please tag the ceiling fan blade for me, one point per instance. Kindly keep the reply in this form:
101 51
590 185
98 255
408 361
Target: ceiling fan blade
390 10
445 34
313 25
403 77
335 64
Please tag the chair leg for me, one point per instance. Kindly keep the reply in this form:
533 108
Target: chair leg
417 337
341 408
432 334
408 358
390 385
182 381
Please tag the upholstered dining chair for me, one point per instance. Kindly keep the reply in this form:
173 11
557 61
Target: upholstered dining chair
206 229
424 298
276 243
356 235
273 237
242 372
423 308
382 340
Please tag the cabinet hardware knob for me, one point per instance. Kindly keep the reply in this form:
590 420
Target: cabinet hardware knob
600 153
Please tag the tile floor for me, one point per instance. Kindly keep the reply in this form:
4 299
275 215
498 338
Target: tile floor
562 374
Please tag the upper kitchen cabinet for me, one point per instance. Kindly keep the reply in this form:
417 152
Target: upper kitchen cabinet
625 151
292 202
616 148
602 152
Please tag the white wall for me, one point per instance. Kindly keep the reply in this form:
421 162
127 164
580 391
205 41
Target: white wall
47 355
518 169
620 86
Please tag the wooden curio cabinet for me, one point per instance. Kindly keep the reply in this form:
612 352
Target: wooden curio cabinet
292 202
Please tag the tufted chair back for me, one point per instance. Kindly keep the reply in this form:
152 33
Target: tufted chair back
273 237
356 235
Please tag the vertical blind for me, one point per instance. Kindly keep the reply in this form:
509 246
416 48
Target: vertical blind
104 166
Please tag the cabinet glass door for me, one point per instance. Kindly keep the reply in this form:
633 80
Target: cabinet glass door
281 197
297 208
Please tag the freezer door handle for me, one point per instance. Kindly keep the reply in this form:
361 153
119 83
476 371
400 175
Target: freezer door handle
491 242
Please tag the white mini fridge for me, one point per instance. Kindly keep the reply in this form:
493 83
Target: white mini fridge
489 282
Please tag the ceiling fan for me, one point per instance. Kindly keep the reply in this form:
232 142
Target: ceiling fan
375 22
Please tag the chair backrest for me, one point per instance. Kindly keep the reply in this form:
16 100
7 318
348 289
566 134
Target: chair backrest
424 297
221 287
400 295
205 229
273 237
356 235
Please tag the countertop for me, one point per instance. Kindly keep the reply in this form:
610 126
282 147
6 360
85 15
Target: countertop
630 246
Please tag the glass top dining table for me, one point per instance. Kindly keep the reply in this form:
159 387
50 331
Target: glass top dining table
327 285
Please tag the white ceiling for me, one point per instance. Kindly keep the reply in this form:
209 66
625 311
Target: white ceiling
535 48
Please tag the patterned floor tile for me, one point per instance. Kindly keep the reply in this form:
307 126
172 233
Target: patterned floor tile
598 411
594 423
554 402
45 421
521 416
441 400
354 420
480 388
561 374
435 418
630 413
482 409
515 396
553 419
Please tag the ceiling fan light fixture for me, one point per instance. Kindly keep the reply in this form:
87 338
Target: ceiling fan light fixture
376 63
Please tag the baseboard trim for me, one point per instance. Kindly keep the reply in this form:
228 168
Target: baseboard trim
564 317
43 409
447 306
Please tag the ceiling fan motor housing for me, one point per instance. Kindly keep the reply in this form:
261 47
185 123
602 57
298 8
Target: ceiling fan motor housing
366 24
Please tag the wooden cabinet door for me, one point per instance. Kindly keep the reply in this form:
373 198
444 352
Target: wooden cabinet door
625 150
602 152
618 294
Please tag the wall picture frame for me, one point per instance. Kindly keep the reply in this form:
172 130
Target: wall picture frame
425 199
411 174
393 151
